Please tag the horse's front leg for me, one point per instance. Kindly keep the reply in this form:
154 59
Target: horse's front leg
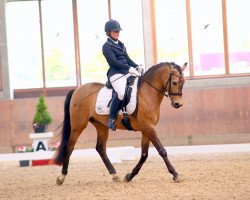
163 153
144 155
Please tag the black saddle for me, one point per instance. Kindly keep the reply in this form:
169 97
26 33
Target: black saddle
128 90
126 99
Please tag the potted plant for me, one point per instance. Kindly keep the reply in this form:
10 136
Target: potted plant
42 117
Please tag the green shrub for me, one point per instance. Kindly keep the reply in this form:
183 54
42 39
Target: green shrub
42 115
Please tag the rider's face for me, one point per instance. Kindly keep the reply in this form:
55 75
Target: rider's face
115 34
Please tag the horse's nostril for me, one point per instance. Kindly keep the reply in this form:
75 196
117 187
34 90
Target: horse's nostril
176 104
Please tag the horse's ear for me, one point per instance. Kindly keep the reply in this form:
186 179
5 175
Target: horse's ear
184 66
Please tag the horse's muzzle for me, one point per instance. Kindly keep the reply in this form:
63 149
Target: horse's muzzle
176 105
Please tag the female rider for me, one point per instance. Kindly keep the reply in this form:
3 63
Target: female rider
120 68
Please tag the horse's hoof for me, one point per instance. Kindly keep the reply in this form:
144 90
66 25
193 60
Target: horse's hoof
117 178
128 178
60 180
177 178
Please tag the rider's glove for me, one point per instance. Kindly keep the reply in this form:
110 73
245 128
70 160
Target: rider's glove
140 69
133 71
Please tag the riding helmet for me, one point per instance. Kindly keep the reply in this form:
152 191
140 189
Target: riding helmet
112 25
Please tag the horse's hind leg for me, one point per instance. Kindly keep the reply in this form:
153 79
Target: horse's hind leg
102 137
75 133
144 155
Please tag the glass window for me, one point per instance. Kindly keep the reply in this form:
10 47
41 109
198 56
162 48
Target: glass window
92 16
24 45
171 31
238 16
129 14
58 38
207 34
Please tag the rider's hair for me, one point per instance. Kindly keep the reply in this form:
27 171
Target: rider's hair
108 34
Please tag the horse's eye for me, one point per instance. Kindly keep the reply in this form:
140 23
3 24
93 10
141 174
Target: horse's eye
174 83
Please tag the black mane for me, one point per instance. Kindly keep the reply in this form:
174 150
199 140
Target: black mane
150 73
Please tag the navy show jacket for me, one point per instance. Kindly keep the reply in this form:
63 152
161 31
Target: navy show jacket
117 58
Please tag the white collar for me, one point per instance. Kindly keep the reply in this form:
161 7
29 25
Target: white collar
114 40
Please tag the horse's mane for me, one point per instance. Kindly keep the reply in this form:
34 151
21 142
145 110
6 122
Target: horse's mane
152 70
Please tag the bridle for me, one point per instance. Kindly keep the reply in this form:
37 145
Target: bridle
167 92
168 84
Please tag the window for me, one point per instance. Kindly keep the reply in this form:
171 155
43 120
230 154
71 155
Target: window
128 14
171 31
239 35
47 46
24 44
58 39
207 34
92 16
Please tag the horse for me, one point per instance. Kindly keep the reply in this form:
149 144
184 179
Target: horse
163 79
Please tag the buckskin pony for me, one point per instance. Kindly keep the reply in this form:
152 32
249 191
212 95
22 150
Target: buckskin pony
164 79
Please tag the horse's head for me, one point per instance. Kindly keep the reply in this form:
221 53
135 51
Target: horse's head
175 84
167 79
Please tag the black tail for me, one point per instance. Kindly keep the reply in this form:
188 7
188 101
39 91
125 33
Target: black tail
61 153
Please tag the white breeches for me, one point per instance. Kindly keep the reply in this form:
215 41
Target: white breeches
119 81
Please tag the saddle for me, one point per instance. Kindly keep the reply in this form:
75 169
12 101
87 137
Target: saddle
128 91
106 94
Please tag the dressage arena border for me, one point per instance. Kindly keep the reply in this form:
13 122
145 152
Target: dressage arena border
118 154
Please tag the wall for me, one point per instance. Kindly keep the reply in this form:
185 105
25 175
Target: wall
206 111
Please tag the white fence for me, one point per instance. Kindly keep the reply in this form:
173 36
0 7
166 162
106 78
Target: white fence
118 154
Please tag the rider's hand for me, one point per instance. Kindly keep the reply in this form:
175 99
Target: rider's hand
133 71
140 69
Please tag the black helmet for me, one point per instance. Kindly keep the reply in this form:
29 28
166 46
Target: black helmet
112 25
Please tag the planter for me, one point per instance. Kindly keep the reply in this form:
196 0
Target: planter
39 128
24 163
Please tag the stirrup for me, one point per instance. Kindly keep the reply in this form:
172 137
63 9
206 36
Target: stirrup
111 124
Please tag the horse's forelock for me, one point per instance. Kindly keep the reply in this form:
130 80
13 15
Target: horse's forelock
175 66
179 69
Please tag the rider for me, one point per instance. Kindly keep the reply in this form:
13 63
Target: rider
120 67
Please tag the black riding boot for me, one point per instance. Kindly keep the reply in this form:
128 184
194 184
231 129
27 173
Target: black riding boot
115 106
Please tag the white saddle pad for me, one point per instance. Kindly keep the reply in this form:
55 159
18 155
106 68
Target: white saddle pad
105 95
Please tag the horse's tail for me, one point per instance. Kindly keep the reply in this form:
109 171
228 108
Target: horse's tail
61 152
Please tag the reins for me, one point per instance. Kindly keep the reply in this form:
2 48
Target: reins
170 93
163 93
